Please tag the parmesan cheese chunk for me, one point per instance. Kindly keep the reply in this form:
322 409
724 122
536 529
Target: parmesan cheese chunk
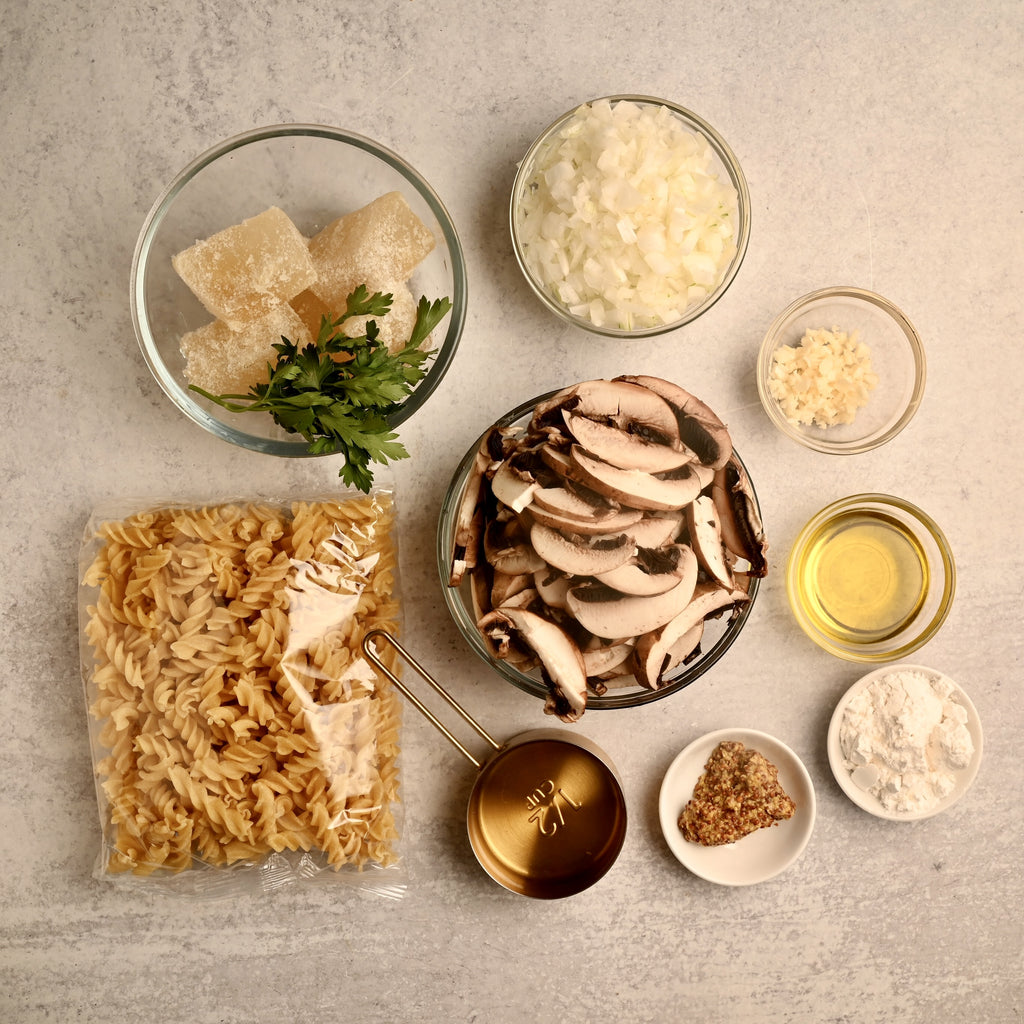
226 362
242 273
377 245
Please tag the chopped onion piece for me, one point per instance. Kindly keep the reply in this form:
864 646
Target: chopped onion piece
625 218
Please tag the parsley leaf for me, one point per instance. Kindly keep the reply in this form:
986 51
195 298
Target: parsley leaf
338 392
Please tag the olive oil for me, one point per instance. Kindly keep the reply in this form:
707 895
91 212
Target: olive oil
863 577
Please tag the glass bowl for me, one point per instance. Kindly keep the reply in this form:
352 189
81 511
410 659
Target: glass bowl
314 174
897 359
723 164
870 578
719 633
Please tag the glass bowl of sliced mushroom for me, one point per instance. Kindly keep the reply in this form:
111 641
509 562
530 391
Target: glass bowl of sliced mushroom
601 546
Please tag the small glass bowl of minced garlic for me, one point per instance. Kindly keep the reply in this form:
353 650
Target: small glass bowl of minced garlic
841 370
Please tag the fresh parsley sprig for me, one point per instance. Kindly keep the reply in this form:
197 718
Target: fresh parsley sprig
338 392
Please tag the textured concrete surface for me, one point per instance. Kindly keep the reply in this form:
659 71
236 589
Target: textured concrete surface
883 147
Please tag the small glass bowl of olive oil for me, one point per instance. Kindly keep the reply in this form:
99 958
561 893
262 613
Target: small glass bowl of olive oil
871 578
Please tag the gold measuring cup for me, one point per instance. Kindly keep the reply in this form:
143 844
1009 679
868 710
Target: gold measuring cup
547 815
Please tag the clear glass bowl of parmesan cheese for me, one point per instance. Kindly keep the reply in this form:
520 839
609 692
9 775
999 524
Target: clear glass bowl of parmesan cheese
263 234
629 216
841 370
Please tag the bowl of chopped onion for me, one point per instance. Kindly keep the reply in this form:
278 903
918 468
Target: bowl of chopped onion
279 264
841 370
630 216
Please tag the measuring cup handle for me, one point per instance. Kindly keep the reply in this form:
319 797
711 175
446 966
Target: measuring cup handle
382 636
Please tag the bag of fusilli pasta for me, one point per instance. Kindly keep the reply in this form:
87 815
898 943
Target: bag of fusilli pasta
240 739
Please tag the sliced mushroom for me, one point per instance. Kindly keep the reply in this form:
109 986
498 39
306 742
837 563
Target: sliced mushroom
608 613
504 586
552 587
600 659
468 522
579 555
467 547
652 649
505 643
636 488
650 571
572 499
683 649
705 530
526 598
619 403
560 659
627 406
742 529
624 449
549 412
480 591
615 681
617 521
657 530
700 429
513 487
508 548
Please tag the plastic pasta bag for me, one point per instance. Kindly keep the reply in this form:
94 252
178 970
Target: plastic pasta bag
240 739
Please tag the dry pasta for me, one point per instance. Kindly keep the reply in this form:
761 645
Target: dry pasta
234 714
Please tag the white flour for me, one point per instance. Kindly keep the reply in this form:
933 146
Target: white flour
903 738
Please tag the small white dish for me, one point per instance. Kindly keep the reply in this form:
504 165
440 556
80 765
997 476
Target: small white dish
762 854
865 799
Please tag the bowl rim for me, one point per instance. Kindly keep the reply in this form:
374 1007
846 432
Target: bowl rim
735 864
947 562
737 177
535 687
867 801
771 342
443 353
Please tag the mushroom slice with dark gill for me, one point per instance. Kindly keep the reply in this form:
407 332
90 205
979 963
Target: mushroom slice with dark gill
650 571
638 489
601 658
654 647
705 530
627 406
619 403
742 529
580 555
507 548
513 487
560 659
657 529
469 523
569 498
608 613
700 429
617 521
552 586
495 445
624 449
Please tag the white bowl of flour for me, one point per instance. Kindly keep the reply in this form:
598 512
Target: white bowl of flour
905 742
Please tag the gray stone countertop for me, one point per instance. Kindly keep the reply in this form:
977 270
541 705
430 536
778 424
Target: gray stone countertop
883 148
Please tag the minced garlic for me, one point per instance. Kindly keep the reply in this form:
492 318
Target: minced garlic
824 380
